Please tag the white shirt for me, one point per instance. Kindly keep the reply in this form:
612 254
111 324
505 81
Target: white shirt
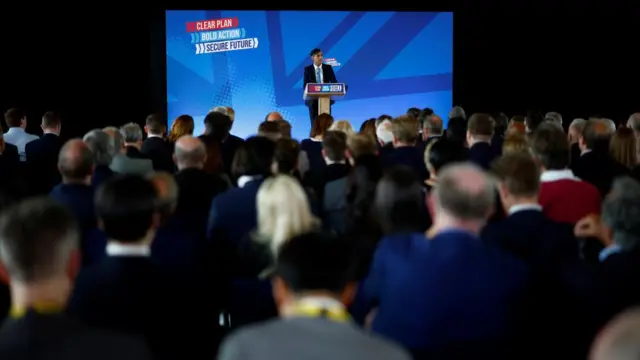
115 249
522 207
18 137
315 71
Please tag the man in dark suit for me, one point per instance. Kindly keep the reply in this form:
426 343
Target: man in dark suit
40 286
42 156
155 147
317 73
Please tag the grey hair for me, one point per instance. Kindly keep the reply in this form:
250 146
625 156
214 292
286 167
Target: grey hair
131 133
220 109
553 116
116 138
457 111
102 145
578 123
454 196
193 157
621 212
634 122
611 123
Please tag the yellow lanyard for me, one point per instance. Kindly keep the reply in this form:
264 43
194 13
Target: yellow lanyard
333 313
40 308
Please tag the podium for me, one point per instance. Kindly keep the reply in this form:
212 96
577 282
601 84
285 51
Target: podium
324 93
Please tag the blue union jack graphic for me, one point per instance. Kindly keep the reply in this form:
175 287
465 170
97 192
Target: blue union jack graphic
389 60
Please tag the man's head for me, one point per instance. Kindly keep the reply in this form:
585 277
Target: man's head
519 178
316 56
101 145
37 238
16 117
220 109
189 152
273 116
621 213
75 162
432 126
620 338
132 135
554 117
51 123
404 129
480 128
595 136
575 129
116 138
168 192
361 144
464 197
334 146
270 130
126 209
155 125
550 147
217 124
313 264
457 112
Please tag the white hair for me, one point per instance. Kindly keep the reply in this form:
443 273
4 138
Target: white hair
611 123
383 132
343 126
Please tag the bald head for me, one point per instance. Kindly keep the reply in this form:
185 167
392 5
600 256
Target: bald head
620 339
75 161
464 192
190 152
274 116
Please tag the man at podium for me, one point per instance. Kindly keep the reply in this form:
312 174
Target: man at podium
317 73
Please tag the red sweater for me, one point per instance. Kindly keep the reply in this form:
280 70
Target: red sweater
565 198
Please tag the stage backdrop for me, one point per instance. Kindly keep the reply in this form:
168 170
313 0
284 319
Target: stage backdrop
253 61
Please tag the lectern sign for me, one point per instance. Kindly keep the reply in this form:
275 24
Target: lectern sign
325 88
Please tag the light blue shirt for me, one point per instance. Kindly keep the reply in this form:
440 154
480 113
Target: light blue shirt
609 250
318 73
18 137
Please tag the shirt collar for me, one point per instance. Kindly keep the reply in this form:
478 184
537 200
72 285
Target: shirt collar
116 249
523 207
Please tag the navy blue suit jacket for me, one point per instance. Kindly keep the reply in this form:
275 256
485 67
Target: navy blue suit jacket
434 294
328 76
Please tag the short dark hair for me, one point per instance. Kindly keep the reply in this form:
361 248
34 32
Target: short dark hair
126 205
316 261
50 119
37 237
286 155
14 116
481 124
218 125
441 152
155 124
518 172
314 52
334 144
399 201
269 127
550 145
253 157
597 135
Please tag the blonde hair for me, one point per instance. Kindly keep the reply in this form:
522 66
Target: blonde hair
343 126
283 212
623 147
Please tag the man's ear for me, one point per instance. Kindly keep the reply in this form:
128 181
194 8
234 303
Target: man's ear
324 153
146 130
348 294
278 290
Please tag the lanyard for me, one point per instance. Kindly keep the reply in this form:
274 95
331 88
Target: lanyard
40 308
322 308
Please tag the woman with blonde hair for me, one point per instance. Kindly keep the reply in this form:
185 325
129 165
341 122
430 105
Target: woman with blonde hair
283 212
182 125
622 147
343 126
515 142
